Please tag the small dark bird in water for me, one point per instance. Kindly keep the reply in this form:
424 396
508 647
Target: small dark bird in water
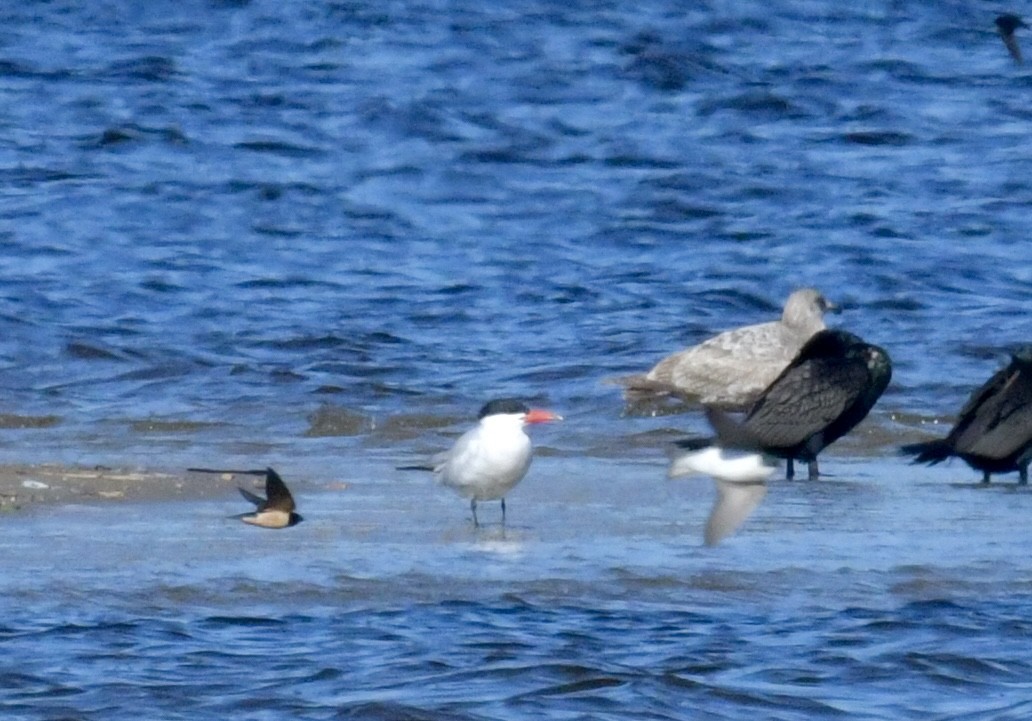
1006 25
993 432
828 388
276 510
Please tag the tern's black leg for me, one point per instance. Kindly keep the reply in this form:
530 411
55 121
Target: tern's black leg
473 507
1023 476
789 470
812 469
503 511
985 476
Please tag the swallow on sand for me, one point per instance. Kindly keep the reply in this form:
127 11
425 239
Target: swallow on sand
276 510
1006 25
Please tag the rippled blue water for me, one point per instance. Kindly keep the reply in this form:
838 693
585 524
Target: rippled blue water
309 233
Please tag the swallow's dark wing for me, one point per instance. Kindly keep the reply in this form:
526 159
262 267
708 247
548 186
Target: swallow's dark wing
694 443
253 498
277 492
805 399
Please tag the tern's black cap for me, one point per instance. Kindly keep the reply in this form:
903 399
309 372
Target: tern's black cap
502 406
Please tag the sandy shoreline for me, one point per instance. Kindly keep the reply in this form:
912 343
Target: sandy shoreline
25 486
28 485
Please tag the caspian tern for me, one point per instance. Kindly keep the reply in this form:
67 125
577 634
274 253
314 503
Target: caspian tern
488 460
731 369
993 432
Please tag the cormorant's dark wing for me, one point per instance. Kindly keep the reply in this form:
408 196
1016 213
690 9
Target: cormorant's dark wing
1001 422
805 399
277 492
981 396
879 374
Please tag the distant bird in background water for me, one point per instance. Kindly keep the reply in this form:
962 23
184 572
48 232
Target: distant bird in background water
488 460
731 369
823 394
993 432
1006 25
276 510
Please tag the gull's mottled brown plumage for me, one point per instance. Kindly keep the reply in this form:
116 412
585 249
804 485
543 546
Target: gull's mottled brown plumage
731 369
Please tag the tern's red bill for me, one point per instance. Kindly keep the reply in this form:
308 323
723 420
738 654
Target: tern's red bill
539 415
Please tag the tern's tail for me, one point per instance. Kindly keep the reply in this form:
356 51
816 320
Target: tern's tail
930 452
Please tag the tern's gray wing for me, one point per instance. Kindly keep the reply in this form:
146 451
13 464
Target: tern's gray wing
735 502
464 447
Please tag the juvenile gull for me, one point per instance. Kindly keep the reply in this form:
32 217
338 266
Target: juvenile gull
731 369
993 433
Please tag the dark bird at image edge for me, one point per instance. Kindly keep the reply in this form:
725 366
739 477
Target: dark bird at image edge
993 432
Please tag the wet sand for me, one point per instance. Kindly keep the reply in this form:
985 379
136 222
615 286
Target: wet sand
25 486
